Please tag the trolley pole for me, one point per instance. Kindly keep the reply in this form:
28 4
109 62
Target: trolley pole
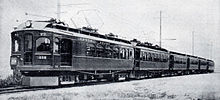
59 5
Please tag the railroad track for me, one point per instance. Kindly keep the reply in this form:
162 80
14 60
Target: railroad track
21 89
27 88
17 89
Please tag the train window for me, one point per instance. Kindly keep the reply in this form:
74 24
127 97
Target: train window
115 52
28 42
56 45
175 60
141 55
161 57
178 60
99 50
196 62
123 54
145 56
203 63
43 44
131 54
155 56
152 56
158 57
182 60
165 58
120 53
108 51
185 60
66 46
90 50
127 53
16 44
149 57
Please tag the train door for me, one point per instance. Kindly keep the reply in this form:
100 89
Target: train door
137 52
171 62
56 52
188 63
66 52
207 68
28 49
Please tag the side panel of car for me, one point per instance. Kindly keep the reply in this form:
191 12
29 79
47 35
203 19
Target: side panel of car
180 62
98 55
154 60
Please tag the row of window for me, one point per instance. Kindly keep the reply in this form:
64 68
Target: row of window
179 60
151 56
94 50
195 62
42 43
108 51
211 64
203 63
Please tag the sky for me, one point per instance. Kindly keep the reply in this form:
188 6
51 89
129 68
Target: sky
129 19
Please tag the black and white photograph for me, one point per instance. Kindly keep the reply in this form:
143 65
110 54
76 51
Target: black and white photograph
109 49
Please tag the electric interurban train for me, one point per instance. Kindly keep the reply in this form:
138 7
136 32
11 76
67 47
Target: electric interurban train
49 53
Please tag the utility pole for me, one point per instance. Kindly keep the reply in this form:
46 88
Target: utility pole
160 27
211 50
192 42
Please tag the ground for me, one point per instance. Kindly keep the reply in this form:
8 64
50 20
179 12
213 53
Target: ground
199 86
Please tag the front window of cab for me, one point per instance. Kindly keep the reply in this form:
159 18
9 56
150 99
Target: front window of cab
43 44
56 45
16 43
28 42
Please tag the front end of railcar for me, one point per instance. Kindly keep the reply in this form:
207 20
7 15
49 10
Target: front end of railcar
33 53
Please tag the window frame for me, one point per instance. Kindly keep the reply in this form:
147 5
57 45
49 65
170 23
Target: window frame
91 47
54 43
14 38
36 47
32 40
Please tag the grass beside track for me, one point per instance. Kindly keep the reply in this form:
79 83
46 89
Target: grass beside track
11 80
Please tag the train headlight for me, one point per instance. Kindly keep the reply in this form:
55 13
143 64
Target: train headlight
28 24
14 61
